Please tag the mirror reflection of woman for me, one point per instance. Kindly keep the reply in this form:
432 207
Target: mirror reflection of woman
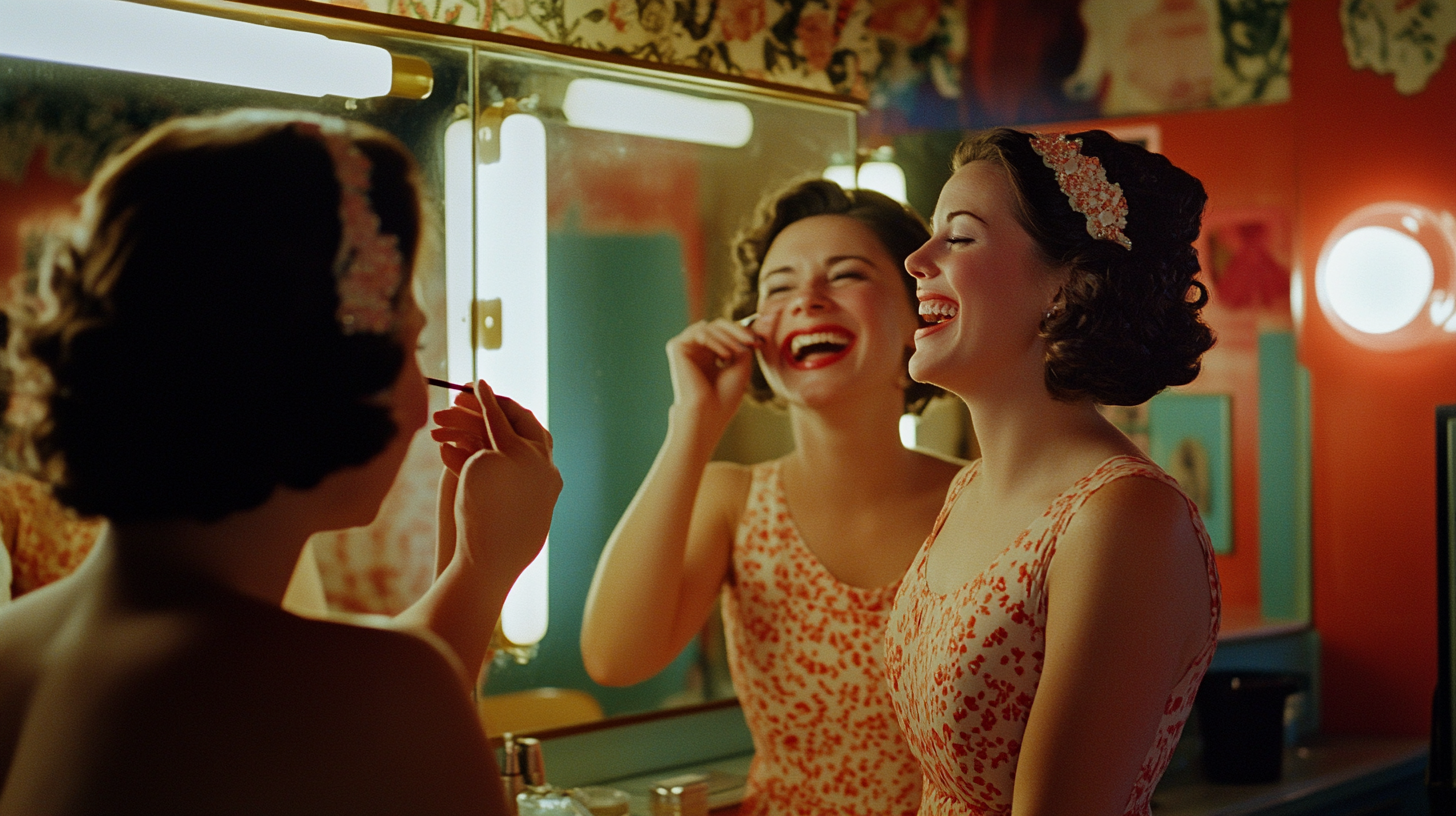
806 550
1046 645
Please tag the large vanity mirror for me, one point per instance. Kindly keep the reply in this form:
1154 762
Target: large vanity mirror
585 215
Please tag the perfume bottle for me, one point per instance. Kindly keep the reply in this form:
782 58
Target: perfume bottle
538 797
512 782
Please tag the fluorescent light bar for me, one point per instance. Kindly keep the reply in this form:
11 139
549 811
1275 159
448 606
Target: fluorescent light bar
883 177
125 36
880 176
596 104
510 218
459 250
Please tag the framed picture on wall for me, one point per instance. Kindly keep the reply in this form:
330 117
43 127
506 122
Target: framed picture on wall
1189 437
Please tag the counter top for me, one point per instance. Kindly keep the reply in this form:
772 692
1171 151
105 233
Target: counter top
1317 777
1319 774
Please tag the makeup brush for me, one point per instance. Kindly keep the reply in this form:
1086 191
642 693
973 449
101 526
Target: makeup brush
447 384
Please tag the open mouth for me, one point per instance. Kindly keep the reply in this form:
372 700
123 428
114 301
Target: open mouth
936 312
816 347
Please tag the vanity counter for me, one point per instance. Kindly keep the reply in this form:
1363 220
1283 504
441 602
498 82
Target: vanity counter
1328 776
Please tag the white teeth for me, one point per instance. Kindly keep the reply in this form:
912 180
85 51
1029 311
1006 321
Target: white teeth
800 341
938 311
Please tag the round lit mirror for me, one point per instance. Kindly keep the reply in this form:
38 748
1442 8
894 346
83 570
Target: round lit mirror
1384 278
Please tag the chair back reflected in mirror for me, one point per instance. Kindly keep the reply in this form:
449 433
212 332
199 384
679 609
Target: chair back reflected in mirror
539 709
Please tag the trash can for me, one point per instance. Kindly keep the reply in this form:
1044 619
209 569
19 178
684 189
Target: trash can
1241 718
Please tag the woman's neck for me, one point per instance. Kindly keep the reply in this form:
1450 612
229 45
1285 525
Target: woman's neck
251 553
1032 441
855 445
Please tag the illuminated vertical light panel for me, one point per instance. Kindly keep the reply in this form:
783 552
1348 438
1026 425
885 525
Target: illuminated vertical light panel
459 251
510 212
126 36
909 430
881 176
841 174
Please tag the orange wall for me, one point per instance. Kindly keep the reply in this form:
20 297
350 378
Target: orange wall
1360 142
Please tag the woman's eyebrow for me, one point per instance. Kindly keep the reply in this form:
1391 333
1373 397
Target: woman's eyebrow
967 213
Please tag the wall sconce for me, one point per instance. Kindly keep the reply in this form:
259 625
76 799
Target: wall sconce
874 170
127 36
1385 276
599 104
495 302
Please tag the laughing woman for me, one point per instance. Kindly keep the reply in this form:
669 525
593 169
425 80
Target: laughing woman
1046 644
807 550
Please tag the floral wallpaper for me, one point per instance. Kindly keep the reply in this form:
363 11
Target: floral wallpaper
931 64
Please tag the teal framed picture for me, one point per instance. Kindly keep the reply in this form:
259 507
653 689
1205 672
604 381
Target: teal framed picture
1189 437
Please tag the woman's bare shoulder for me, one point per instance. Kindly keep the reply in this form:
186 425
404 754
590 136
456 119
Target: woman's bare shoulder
339 717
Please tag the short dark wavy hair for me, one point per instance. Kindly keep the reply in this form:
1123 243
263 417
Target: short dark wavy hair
1126 324
898 227
182 358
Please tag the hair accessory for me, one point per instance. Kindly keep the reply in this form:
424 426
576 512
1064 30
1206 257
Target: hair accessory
367 268
1085 184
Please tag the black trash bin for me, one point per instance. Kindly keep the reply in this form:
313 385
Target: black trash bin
1241 718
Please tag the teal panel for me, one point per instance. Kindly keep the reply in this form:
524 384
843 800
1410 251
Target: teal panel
1279 478
1189 437
614 301
638 748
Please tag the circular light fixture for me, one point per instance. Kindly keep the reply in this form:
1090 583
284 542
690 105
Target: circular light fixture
1384 277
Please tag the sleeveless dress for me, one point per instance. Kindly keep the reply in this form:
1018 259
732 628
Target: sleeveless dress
44 541
806 653
963 668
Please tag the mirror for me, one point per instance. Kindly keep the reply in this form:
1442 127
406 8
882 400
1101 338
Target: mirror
638 225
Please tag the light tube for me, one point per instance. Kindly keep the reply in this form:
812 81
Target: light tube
510 218
125 36
459 251
597 104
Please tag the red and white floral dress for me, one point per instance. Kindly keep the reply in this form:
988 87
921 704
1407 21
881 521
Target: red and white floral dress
806 653
44 541
963 668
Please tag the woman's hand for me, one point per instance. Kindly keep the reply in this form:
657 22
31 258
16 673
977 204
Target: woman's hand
710 363
507 485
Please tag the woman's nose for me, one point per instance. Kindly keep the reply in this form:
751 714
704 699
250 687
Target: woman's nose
808 300
917 264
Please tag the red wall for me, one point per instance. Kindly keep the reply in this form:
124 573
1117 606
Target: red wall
1346 139
1238 180
1361 142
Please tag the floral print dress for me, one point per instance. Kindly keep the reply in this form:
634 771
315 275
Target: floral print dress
806 655
963 668
43 540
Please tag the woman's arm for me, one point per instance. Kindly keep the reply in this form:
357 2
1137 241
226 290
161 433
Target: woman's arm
1128 611
661 568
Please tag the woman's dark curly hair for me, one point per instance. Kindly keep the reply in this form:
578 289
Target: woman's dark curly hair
182 358
1126 324
898 227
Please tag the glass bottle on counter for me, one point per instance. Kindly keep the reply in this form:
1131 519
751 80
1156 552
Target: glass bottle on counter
535 796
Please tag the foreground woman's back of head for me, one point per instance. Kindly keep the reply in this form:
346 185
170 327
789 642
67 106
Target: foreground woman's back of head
214 361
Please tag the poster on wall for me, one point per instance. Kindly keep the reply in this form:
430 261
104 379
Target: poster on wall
1189 437
1008 62
1397 37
